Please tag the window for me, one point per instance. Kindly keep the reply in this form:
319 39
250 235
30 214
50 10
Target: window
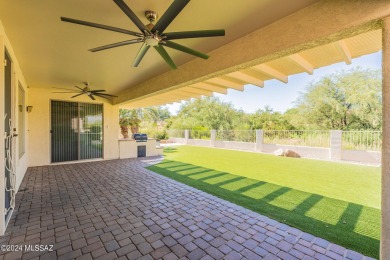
21 120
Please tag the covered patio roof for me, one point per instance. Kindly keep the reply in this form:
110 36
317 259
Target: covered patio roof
55 54
318 35
305 61
264 40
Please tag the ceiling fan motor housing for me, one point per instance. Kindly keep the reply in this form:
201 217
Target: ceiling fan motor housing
152 40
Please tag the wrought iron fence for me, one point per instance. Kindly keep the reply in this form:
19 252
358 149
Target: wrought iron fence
362 140
200 134
236 135
298 137
175 133
351 140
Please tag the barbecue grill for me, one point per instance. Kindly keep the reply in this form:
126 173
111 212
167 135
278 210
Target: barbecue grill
140 137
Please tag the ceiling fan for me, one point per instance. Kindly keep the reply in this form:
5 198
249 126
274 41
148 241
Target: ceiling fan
153 35
86 91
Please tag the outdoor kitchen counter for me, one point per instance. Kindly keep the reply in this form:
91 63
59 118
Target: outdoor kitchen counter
129 148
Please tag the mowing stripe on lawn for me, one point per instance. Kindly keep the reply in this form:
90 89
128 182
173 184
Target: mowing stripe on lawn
346 223
353 183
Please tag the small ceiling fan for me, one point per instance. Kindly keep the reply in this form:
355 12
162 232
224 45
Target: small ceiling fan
86 91
153 35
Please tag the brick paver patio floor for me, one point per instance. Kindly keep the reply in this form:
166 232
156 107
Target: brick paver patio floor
118 209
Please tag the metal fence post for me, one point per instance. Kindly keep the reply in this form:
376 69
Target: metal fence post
259 141
213 136
335 144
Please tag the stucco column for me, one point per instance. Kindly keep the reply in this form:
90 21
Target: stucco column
335 144
385 231
213 137
259 140
186 136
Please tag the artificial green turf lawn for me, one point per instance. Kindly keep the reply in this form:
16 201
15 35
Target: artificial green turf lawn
336 201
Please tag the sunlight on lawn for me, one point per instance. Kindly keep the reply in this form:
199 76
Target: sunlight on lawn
368 217
332 217
240 184
328 210
290 200
207 174
261 191
220 179
330 179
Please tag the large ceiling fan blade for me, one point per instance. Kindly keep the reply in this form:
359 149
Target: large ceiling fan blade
182 48
193 34
164 54
101 94
113 45
131 15
99 90
77 95
91 96
66 92
141 54
79 88
64 88
105 96
173 10
100 26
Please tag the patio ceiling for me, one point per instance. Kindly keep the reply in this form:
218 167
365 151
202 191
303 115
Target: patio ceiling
54 54
306 61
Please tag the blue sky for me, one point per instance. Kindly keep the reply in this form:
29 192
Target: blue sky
281 96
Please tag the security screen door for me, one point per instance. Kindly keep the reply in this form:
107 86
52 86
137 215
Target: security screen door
8 133
76 131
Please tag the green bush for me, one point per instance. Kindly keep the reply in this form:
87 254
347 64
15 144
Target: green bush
158 134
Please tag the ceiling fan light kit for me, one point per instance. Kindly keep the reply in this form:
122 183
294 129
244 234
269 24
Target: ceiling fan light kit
152 35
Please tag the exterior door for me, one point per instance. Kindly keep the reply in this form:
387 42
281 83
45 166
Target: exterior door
64 131
90 134
9 193
76 131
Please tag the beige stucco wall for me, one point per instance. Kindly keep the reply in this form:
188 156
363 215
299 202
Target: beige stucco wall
37 138
21 164
2 224
39 124
385 227
324 22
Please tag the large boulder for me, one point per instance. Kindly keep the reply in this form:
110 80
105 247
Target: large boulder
279 152
290 153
